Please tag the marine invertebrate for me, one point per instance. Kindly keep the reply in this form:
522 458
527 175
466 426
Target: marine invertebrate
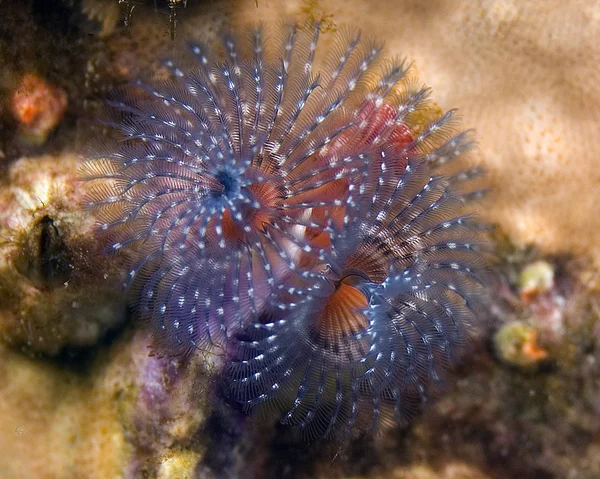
536 278
517 344
38 107
392 311
294 220
217 174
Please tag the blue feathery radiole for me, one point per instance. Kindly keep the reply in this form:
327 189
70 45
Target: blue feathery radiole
394 309
213 180
303 212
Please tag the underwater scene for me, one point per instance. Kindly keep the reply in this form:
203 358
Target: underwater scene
299 239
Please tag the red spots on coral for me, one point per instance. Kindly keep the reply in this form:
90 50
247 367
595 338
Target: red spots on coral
532 349
38 107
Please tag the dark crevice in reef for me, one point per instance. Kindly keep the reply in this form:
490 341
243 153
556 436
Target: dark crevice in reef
55 259
81 359
257 447
222 430
53 15
292 458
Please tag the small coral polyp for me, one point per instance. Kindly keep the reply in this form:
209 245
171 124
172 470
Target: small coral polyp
293 210
38 107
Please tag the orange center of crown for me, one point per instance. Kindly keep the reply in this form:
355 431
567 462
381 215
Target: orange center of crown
343 313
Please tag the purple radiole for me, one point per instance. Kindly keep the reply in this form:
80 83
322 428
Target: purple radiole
301 213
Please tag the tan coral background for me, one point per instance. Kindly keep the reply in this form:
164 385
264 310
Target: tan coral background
525 75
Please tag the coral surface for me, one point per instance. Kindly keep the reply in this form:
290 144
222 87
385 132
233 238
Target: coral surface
80 396
56 289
